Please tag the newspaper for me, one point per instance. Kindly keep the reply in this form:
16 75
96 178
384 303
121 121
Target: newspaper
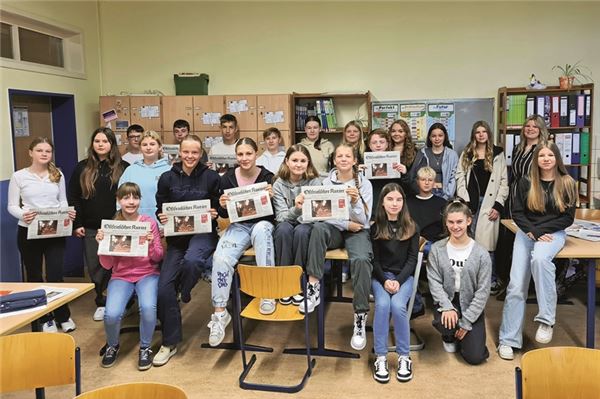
188 217
248 202
222 162
171 152
584 229
123 238
325 202
379 165
50 222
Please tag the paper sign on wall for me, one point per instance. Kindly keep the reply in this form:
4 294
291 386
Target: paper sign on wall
211 118
273 117
150 111
21 121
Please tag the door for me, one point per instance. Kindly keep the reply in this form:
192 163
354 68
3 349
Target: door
32 117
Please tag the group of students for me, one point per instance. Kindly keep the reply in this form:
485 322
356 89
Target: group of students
454 202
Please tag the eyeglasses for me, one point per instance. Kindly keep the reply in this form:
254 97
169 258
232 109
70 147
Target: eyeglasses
136 137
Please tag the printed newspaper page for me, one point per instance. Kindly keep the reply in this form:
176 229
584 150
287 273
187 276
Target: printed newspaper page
123 238
325 202
222 162
248 202
379 165
189 217
50 222
584 229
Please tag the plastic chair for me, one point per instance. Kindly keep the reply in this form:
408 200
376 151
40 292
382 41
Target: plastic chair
559 372
269 282
136 390
37 360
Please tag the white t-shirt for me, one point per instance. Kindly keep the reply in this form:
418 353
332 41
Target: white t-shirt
131 158
222 149
458 257
270 161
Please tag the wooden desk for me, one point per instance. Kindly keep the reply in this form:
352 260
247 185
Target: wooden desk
576 248
11 323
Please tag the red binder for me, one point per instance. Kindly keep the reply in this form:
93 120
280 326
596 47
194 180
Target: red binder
555 112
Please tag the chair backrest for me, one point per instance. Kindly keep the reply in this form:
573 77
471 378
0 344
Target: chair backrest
136 390
36 360
270 282
561 372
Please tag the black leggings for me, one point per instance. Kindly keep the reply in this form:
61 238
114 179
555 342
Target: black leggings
33 254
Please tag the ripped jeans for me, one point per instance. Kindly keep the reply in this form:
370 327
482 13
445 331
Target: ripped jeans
237 238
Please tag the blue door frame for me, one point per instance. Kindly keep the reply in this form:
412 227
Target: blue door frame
65 154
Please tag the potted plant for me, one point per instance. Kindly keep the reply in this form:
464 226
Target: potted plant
571 72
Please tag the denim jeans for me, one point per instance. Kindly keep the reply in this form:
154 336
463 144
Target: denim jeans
291 243
396 304
119 292
237 238
530 258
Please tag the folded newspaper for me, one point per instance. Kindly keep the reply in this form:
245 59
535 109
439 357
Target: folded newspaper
380 165
584 229
222 162
248 202
50 222
325 202
189 217
171 152
123 238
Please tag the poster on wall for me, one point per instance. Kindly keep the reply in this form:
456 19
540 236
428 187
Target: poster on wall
384 115
21 121
443 113
415 116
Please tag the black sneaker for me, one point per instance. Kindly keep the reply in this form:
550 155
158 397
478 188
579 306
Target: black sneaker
286 300
381 372
145 359
110 356
404 373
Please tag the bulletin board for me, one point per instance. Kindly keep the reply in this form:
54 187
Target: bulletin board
458 115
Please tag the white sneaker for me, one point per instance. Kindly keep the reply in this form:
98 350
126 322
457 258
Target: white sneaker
217 327
505 352
313 298
381 372
163 355
99 313
359 337
68 326
267 306
543 334
344 280
404 373
49 326
449 347
297 299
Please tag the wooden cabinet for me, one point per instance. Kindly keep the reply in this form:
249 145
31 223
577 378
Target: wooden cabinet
572 135
244 109
146 111
120 104
207 105
174 108
273 111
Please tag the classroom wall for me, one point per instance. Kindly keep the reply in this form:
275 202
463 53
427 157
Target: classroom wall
398 50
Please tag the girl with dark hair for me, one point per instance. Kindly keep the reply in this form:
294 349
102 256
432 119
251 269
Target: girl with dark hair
395 249
238 237
543 209
41 185
188 256
91 191
459 271
352 234
439 155
402 142
481 180
291 235
320 149
129 274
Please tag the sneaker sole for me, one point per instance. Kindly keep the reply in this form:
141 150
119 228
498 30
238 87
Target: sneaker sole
285 303
68 330
381 380
144 368
109 365
404 379
162 363
543 341
310 311
357 348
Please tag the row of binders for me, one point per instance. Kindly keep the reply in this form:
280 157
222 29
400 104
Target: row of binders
573 110
323 108
574 147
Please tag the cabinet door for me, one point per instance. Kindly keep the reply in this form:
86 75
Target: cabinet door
270 108
176 107
120 105
146 111
207 105
244 109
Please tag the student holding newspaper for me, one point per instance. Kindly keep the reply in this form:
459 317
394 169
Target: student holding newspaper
238 237
352 233
129 274
188 256
39 186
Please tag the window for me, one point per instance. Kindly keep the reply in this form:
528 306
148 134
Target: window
34 43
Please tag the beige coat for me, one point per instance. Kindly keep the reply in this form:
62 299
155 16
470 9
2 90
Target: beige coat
486 232
320 158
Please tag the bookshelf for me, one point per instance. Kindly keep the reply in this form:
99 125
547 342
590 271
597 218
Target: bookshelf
335 110
568 115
